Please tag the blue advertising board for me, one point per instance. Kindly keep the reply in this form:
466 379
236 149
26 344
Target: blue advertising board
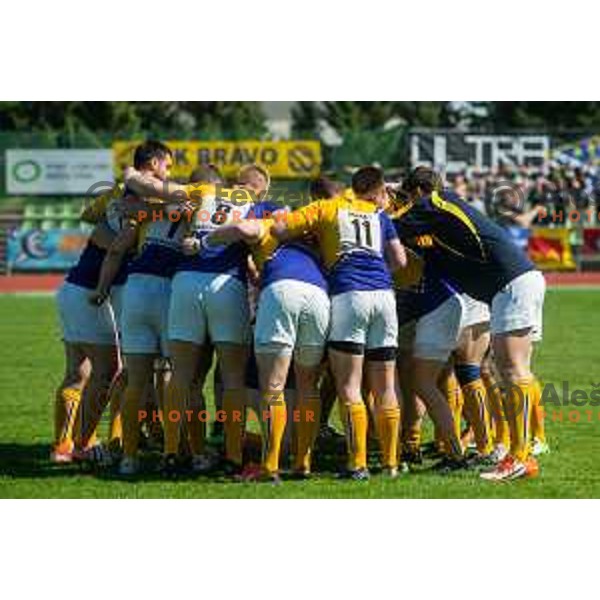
49 250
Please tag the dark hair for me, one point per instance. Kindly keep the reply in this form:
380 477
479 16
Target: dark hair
424 178
148 150
206 174
367 180
324 188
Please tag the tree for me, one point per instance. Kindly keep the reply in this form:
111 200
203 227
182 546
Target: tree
528 114
352 116
133 118
306 117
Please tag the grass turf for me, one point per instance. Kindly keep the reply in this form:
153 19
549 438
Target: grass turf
32 363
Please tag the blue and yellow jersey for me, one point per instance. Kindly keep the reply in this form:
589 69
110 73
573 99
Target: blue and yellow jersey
160 242
97 210
86 271
423 296
295 260
469 251
419 289
351 235
218 206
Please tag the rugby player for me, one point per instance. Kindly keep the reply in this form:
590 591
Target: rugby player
90 341
292 320
477 257
208 301
355 239
325 188
430 312
147 292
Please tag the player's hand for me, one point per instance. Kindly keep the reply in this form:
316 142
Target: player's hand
190 246
98 297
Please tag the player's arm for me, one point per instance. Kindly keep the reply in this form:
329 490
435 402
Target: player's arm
298 223
525 219
395 254
249 232
144 184
253 273
123 242
102 235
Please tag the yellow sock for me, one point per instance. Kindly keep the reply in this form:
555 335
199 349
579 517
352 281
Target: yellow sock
518 412
273 405
65 412
451 389
538 427
233 406
474 394
175 401
131 421
500 430
356 435
388 425
306 432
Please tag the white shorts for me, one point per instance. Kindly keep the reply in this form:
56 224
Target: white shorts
437 332
365 317
82 322
520 305
292 317
208 305
474 311
145 315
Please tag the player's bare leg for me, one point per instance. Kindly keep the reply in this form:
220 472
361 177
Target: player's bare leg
196 426
140 370
426 375
472 346
328 398
381 378
512 353
347 371
232 361
67 400
412 410
309 408
539 445
185 359
117 396
450 387
104 361
273 370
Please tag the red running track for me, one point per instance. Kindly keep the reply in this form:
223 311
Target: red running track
49 283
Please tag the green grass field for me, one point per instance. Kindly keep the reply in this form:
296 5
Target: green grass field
32 363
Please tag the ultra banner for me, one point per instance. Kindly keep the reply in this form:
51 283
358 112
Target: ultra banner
51 250
286 159
456 151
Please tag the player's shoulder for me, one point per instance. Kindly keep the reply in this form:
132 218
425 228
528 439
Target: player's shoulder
267 208
349 200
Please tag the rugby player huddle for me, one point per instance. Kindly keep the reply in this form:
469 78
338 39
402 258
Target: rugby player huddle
397 299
